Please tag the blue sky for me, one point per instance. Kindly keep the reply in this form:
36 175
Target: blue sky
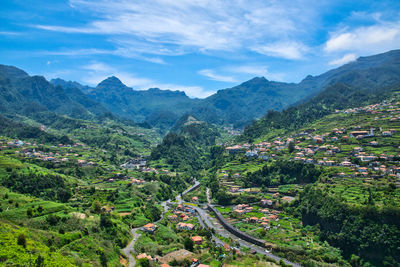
198 46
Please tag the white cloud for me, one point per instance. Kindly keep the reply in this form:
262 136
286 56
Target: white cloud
98 67
93 51
9 33
216 77
380 37
343 60
256 70
287 50
250 69
198 25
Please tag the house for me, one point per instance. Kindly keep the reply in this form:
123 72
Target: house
144 256
309 160
227 247
195 199
387 133
198 240
150 228
189 209
362 169
264 211
248 209
195 262
233 149
346 164
251 153
273 217
173 217
253 220
359 134
366 158
373 143
185 226
241 206
264 201
233 189
239 211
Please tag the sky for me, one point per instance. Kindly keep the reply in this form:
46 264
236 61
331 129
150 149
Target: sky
196 46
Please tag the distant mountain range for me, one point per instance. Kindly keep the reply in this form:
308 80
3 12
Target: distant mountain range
23 94
238 105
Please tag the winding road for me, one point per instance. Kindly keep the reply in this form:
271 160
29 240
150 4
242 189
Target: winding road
205 221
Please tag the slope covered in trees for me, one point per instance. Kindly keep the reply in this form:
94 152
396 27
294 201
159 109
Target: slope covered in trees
338 96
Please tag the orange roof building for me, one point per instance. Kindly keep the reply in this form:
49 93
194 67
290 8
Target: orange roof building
198 240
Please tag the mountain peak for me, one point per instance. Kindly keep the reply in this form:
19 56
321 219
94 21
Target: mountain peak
13 72
111 81
113 84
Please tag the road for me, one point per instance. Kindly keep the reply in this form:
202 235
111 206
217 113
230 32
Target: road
129 249
206 221
219 229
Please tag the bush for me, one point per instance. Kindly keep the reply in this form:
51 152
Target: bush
21 240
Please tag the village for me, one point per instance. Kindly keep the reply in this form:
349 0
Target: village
369 149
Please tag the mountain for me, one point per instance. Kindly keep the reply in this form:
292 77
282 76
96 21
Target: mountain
186 146
334 97
147 105
23 94
71 84
252 99
241 104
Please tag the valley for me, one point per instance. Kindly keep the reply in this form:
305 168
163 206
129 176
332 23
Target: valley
254 175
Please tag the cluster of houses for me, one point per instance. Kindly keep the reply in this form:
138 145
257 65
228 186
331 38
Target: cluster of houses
137 181
56 157
136 164
183 213
270 214
320 144
155 261
391 106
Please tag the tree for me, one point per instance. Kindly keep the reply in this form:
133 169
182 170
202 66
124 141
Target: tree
39 262
52 219
144 262
188 243
105 221
291 147
96 207
29 212
21 240
103 259
63 194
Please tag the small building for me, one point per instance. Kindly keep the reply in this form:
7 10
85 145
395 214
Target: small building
185 226
253 220
144 256
198 240
150 228
359 134
387 133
